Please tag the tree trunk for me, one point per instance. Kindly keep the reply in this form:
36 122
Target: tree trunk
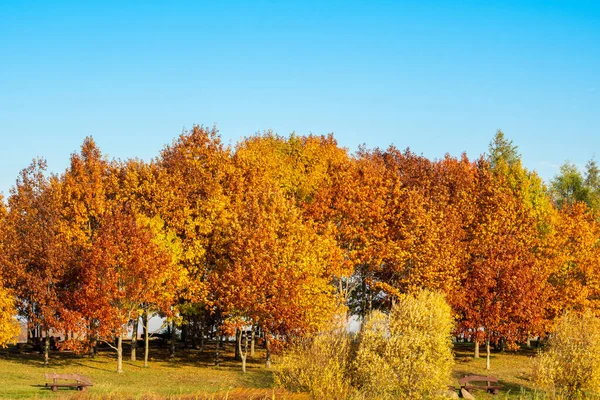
370 300
268 348
47 349
487 347
94 342
134 337
252 342
146 338
476 349
238 345
218 348
201 336
528 342
243 353
172 346
184 331
501 344
363 299
120 353
144 322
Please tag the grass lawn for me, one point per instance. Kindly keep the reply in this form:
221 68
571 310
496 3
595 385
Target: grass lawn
513 369
193 375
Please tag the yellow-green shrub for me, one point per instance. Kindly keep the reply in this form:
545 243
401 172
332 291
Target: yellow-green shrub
571 365
407 354
317 365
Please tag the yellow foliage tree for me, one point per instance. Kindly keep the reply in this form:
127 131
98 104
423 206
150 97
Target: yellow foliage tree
9 328
575 255
271 268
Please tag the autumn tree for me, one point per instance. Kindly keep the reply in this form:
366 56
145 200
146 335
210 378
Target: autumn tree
528 189
502 290
316 173
428 206
9 328
138 184
85 198
126 268
193 171
280 267
399 219
35 250
574 281
85 193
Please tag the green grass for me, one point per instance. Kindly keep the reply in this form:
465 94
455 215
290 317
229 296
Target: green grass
512 368
191 373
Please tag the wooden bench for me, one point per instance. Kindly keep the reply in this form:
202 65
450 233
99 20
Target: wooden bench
81 382
491 383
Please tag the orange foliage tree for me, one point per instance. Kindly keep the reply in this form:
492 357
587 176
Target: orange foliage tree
275 270
125 269
138 184
278 232
35 253
429 204
503 292
85 198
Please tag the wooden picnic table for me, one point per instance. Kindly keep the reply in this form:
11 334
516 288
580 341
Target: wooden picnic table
491 383
82 382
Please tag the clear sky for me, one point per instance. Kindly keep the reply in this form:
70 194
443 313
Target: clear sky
438 77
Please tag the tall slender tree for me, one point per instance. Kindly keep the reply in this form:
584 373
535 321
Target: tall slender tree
85 198
125 269
502 287
36 252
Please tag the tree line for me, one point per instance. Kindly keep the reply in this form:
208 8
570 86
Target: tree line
285 234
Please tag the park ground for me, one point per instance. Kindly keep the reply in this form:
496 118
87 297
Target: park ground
193 375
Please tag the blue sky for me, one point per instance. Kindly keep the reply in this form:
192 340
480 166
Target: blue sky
438 77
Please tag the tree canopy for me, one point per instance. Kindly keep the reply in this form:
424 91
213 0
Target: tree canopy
285 234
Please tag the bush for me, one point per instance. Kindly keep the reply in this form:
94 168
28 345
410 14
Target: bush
317 365
571 365
407 354
9 327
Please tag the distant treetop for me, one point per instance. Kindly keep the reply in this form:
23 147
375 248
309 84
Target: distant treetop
501 148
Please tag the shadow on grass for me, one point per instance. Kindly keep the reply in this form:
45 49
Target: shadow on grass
57 359
107 359
511 367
